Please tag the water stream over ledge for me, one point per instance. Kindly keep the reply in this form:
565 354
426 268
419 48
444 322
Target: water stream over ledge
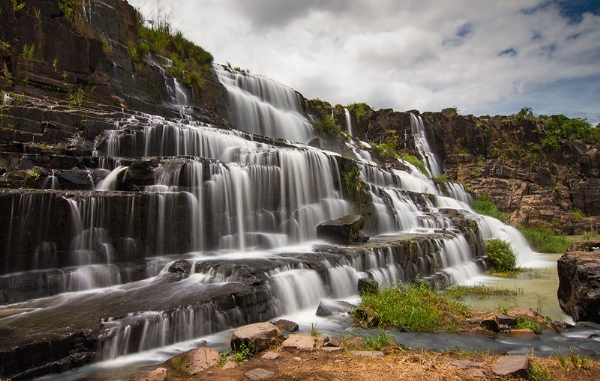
175 231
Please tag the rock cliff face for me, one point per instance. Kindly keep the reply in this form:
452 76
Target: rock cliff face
53 49
503 158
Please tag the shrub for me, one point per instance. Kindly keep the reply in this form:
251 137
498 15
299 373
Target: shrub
362 111
501 256
328 127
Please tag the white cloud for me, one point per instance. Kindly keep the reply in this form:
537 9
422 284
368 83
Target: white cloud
404 55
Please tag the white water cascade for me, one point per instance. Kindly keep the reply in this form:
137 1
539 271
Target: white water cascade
262 106
192 229
418 132
348 121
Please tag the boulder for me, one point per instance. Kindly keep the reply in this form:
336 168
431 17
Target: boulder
299 342
579 281
260 336
286 325
506 319
195 361
490 325
367 285
344 230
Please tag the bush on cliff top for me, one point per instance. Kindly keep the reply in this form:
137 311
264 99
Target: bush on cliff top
190 62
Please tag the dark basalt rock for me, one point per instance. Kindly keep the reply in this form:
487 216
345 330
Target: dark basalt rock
367 286
579 281
179 270
344 230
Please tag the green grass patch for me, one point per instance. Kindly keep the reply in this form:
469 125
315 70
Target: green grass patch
524 324
480 291
379 342
417 163
413 308
486 207
544 241
501 256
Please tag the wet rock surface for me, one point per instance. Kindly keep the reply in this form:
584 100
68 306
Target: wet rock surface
579 281
344 230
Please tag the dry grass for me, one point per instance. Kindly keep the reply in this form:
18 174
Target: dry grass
399 365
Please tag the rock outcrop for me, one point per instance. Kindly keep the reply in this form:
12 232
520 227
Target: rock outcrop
344 230
579 281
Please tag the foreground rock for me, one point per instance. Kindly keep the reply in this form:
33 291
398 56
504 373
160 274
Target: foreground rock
579 281
259 336
299 342
344 231
515 366
195 361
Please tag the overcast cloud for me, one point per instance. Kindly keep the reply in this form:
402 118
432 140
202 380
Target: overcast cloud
484 57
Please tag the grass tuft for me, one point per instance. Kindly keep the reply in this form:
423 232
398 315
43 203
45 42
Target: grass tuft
544 241
413 308
379 342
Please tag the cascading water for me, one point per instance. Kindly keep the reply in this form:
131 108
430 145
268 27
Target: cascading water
262 106
348 121
418 132
188 230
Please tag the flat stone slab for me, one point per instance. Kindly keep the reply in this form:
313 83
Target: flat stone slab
332 349
195 361
512 366
476 372
259 374
158 374
367 353
270 356
230 365
299 342
466 364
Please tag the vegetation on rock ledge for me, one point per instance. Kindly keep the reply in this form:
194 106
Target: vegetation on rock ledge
189 62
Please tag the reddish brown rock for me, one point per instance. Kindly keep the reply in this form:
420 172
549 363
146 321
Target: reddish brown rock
195 361
579 281
259 336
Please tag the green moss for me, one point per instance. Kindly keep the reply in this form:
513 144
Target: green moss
353 182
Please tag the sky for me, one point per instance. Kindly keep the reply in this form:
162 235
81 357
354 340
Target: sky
483 57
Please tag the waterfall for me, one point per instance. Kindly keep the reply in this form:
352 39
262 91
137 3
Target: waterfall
262 106
185 229
418 132
348 121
